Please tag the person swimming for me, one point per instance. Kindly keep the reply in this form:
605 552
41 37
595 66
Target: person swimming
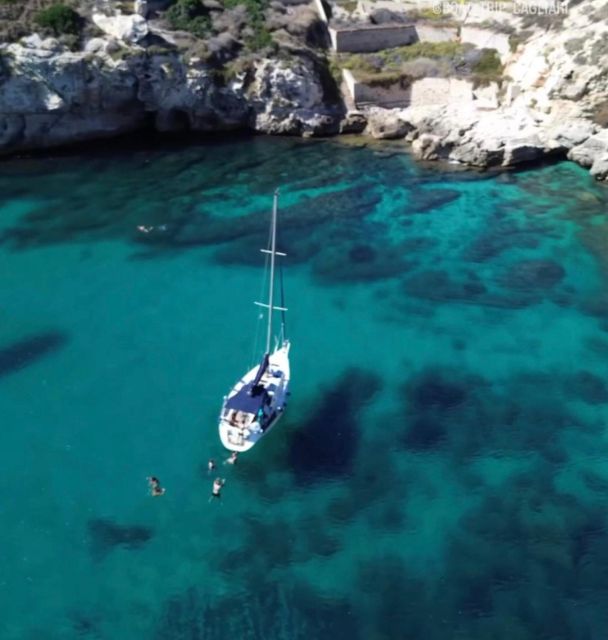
210 465
155 488
232 459
216 491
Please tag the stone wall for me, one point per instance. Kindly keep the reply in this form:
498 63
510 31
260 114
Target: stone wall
373 38
440 91
395 95
420 93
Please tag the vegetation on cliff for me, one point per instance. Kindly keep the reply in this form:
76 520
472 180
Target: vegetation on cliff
190 15
60 19
417 60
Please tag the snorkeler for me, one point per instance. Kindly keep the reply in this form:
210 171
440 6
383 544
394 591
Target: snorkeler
155 488
216 491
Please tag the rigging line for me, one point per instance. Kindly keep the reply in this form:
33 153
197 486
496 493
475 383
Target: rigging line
254 355
283 322
272 268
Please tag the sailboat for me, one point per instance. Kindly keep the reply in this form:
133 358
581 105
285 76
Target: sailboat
257 401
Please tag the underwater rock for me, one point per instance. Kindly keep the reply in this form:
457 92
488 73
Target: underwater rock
326 444
505 235
25 352
437 285
266 610
343 509
395 599
298 246
423 433
432 390
318 542
309 212
588 387
274 541
362 253
106 535
443 409
596 305
534 274
425 200
360 263
387 517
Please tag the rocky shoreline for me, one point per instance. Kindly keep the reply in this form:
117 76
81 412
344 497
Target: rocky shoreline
52 96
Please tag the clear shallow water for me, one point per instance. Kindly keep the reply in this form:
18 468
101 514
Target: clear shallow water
441 471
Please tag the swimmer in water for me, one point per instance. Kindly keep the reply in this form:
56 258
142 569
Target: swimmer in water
216 491
155 488
210 465
232 459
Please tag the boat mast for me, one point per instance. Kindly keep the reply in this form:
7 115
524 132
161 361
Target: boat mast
273 247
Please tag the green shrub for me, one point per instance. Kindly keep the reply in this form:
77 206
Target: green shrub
348 5
488 68
254 7
189 15
261 37
385 79
447 49
60 19
357 62
335 69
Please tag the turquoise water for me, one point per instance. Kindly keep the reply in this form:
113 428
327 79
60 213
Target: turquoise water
441 471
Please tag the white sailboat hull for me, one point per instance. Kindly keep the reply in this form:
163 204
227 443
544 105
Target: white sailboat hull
249 412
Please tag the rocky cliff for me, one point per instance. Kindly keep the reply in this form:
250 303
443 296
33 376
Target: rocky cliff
130 72
551 101
51 95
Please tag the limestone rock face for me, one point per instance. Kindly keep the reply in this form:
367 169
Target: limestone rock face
50 95
353 122
599 168
386 124
554 84
288 99
593 153
129 28
429 146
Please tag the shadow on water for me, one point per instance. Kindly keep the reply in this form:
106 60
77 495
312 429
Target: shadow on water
28 351
326 444
106 535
